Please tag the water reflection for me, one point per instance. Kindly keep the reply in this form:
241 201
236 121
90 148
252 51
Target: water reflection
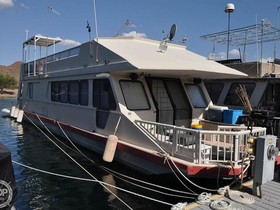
109 179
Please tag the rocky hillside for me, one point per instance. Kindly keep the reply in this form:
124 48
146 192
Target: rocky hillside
12 70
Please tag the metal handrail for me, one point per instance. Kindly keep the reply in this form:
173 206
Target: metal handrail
228 143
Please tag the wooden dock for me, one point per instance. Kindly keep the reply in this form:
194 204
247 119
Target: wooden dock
270 198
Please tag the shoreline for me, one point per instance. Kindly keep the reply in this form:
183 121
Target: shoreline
9 93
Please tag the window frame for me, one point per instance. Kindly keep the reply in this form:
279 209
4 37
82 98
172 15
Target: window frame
145 95
202 96
112 105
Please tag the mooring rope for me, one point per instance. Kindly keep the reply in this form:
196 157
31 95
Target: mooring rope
112 171
76 161
178 178
220 205
196 185
91 180
167 157
204 198
147 183
150 189
154 190
241 197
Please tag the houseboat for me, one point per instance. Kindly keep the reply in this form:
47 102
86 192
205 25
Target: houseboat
137 101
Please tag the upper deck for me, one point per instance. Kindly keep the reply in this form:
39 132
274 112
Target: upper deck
126 54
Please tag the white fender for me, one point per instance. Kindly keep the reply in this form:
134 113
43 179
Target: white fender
20 116
16 113
110 148
12 111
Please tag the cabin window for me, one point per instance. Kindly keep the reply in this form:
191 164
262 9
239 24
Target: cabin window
83 92
233 99
103 100
103 97
214 91
55 91
74 92
179 101
170 100
165 111
63 92
134 95
196 96
30 90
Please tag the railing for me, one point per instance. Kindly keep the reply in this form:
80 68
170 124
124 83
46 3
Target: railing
39 66
227 144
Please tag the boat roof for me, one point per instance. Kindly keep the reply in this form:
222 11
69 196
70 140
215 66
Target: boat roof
39 40
145 55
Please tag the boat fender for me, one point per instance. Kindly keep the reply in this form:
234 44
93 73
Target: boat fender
12 111
110 148
7 111
16 112
20 116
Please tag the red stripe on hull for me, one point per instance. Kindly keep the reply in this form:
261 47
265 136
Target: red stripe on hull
189 169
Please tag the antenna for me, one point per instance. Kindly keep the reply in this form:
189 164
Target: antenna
163 44
127 22
96 30
50 9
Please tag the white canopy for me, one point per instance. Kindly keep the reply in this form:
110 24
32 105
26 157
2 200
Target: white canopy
145 55
39 40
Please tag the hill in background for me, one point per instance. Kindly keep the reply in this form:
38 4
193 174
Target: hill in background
12 70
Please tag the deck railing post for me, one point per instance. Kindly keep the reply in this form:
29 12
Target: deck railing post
198 145
174 141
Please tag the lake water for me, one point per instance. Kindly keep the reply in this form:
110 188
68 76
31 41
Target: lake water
38 190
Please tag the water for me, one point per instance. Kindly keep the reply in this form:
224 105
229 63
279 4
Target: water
37 190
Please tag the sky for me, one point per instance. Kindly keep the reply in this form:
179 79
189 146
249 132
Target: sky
67 19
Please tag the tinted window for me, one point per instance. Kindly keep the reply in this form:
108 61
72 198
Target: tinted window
74 92
232 97
103 97
196 96
84 92
214 91
63 92
55 91
134 95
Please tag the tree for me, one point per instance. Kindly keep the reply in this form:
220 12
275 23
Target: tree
6 81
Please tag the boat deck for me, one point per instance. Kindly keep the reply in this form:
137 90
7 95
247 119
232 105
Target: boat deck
270 198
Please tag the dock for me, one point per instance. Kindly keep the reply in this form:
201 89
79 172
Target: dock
270 199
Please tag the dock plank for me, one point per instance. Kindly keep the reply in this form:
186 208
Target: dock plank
269 201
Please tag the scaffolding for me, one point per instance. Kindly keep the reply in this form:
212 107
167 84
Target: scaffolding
254 34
